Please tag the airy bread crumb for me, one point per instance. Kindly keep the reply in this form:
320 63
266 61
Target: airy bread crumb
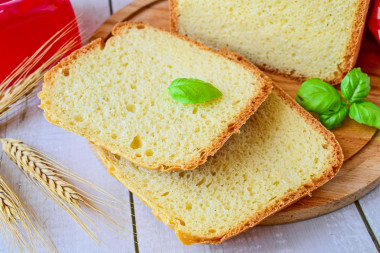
301 39
281 155
115 95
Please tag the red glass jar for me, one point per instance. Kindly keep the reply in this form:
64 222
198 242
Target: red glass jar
25 25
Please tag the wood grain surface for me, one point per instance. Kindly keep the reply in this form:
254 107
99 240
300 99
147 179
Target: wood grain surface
361 170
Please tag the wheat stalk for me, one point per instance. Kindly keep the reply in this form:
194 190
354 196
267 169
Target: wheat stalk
22 81
7 206
52 177
19 224
40 170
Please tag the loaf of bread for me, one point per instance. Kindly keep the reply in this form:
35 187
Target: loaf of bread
281 155
115 95
301 39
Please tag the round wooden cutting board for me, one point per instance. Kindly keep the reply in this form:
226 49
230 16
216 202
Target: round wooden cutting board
361 144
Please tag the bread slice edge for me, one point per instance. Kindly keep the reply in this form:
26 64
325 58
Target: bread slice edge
351 52
265 87
330 171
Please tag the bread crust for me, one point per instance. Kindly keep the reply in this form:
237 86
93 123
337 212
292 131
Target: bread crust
232 127
351 52
353 48
330 171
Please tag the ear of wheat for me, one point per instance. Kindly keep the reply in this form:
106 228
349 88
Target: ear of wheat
19 85
19 225
53 178
46 173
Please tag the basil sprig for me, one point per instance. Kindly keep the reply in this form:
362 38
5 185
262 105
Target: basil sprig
366 112
192 91
355 85
312 96
317 96
334 120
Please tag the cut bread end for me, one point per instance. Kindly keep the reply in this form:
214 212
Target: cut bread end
338 68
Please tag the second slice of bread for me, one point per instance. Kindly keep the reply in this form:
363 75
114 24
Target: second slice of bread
281 155
115 95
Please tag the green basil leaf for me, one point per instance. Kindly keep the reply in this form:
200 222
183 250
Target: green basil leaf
317 96
366 112
334 120
355 85
192 91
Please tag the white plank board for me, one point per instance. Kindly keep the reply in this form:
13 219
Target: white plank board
31 127
371 208
73 151
118 4
341 231
91 15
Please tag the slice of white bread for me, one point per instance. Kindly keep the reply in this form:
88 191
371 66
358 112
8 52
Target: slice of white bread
115 95
281 155
300 39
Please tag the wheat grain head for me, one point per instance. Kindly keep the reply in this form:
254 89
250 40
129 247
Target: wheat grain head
52 178
19 225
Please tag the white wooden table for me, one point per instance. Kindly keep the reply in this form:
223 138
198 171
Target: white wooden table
355 228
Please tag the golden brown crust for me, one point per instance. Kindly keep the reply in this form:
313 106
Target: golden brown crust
233 127
335 163
67 61
173 8
337 160
334 166
352 50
